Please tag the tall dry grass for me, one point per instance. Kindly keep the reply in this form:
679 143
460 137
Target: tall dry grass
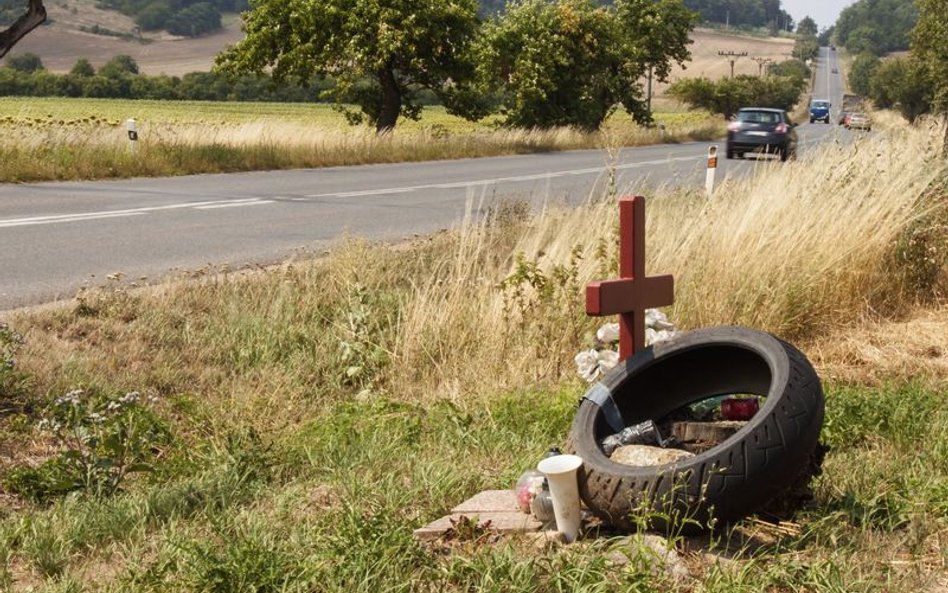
796 249
799 248
45 149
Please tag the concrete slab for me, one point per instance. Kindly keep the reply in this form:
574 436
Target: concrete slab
498 507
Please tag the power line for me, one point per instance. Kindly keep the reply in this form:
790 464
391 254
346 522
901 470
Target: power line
732 57
761 62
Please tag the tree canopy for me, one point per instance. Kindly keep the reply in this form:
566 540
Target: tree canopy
930 48
571 62
378 52
727 95
876 26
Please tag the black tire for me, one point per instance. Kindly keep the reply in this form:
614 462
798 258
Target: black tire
734 478
729 154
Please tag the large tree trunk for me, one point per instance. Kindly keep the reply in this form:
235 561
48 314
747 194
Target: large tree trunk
391 101
23 25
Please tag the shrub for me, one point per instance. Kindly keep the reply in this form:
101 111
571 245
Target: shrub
27 62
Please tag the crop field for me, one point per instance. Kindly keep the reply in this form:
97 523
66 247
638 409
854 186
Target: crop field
57 138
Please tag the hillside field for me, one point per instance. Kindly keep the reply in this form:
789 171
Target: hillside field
60 43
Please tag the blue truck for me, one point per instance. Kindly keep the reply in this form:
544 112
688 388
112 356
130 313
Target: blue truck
820 110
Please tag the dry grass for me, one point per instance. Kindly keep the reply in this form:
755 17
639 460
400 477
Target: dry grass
64 139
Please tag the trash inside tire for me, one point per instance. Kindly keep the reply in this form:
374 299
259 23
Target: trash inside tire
732 479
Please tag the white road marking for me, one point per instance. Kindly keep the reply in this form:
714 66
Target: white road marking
235 204
496 180
63 218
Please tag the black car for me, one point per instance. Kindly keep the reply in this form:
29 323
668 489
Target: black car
761 129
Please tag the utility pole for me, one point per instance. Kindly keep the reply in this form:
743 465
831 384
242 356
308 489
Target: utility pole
761 62
732 57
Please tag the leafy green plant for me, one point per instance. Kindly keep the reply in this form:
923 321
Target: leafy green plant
11 379
102 441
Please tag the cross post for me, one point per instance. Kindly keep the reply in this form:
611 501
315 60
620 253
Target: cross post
633 292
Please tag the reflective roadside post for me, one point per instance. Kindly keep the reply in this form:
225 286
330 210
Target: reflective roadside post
712 167
132 128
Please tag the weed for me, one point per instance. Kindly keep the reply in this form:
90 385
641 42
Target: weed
102 440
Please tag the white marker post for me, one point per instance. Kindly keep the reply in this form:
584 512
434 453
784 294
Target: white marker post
712 167
132 128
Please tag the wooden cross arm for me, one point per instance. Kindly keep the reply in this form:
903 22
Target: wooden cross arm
610 297
33 18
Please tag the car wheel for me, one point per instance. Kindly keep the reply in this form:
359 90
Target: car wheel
812 120
733 478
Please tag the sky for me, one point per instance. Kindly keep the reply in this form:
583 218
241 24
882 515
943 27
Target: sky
824 12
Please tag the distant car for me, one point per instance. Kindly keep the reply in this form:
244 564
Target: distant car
835 71
761 129
819 110
833 47
859 121
844 119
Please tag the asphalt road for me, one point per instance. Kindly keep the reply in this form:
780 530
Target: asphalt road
58 237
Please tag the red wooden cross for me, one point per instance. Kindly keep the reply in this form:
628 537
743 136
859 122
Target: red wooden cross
633 292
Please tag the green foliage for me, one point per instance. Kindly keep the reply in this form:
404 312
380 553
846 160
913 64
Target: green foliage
195 20
102 440
361 356
876 26
377 51
154 16
27 62
11 379
119 66
930 48
118 80
901 83
570 62
743 13
861 73
794 68
82 68
545 304
727 95
807 27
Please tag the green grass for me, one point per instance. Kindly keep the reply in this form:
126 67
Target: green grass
319 411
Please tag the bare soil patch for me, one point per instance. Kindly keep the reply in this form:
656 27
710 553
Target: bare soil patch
66 39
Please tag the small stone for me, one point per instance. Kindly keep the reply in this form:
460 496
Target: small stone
644 455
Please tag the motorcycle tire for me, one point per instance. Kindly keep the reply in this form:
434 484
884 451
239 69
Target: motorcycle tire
728 481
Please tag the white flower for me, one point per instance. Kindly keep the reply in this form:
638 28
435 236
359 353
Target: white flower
657 320
608 333
654 337
607 359
591 364
587 365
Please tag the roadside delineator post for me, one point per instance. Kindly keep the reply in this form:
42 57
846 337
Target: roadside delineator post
633 292
132 128
712 167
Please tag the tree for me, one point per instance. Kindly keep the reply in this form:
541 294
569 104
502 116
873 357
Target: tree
656 33
571 62
860 75
119 66
930 48
82 68
28 62
902 83
377 51
727 95
807 27
32 18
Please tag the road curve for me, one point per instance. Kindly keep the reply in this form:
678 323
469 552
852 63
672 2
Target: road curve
57 237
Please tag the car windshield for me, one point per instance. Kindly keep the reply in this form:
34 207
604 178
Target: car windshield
758 117
820 104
